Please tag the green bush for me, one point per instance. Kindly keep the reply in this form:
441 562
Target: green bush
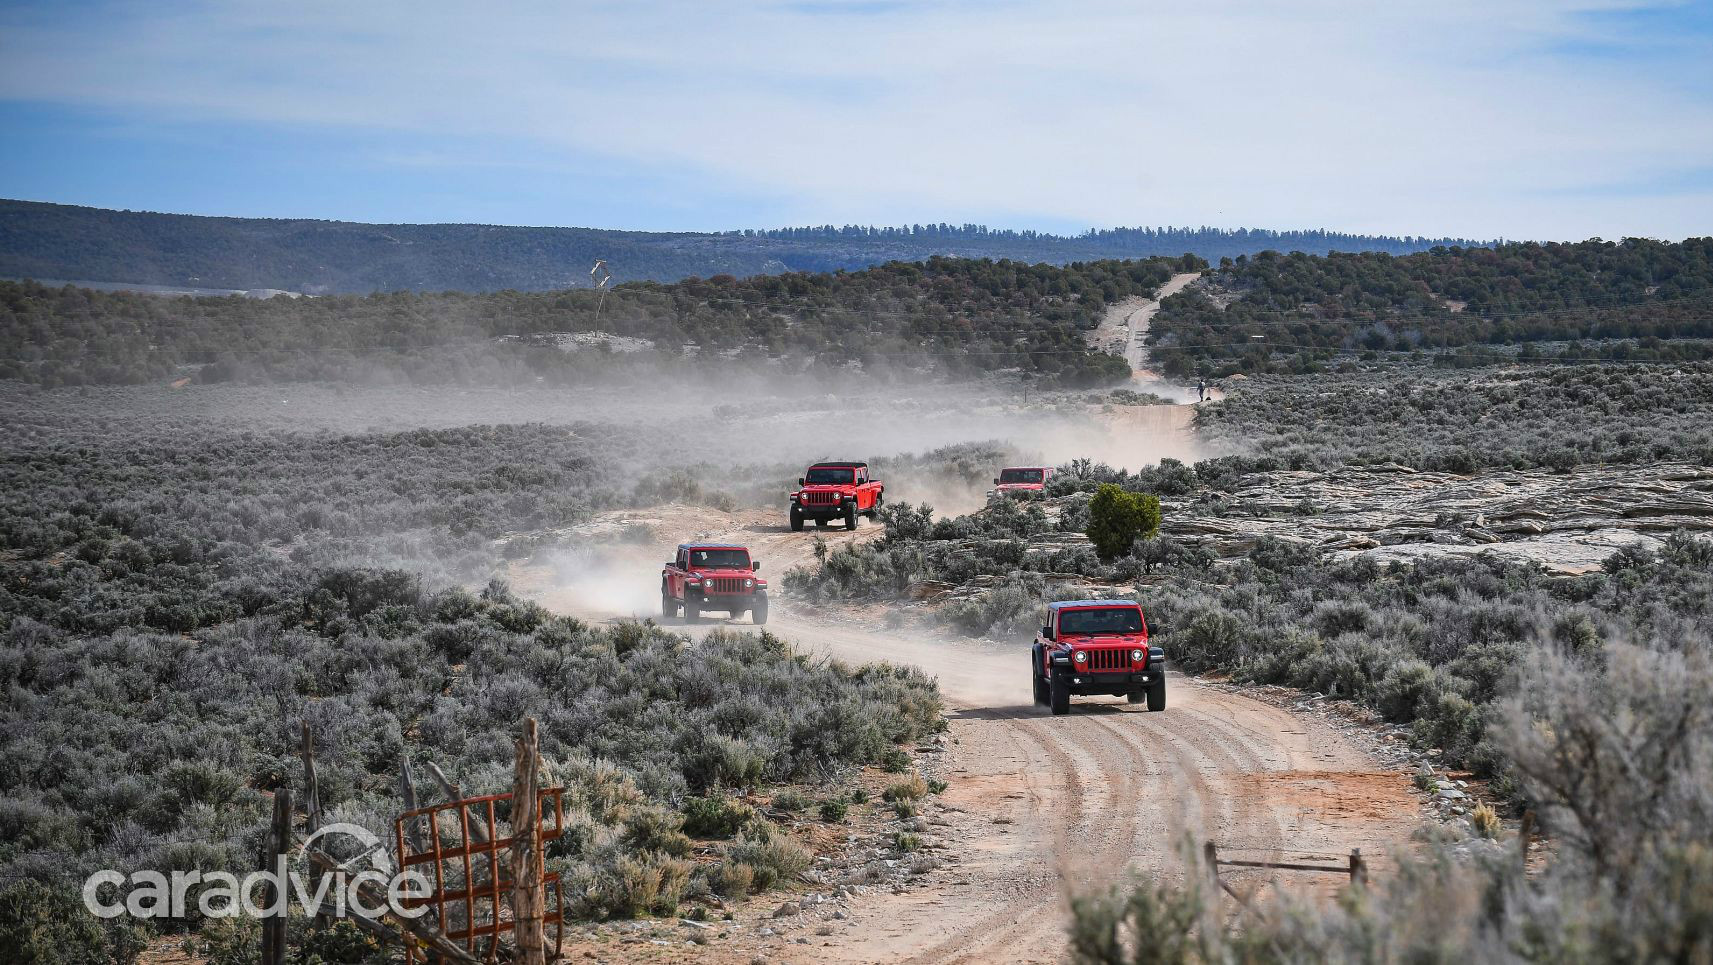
1117 519
834 811
40 925
715 817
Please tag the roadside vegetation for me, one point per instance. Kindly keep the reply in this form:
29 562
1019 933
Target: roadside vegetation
1519 418
176 600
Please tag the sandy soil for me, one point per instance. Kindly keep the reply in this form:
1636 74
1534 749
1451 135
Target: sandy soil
1049 806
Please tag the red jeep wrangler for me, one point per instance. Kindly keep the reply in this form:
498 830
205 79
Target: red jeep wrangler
709 576
1096 647
1020 479
835 490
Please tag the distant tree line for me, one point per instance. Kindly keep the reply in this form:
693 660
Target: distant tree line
1274 312
64 242
1205 241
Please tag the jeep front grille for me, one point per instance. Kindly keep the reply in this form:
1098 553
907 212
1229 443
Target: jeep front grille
823 499
1114 659
725 584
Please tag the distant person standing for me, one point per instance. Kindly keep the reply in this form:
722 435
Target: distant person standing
1201 390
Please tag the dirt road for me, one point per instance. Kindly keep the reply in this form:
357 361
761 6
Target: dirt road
1046 806
1125 326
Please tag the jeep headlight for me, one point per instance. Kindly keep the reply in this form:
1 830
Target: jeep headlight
1080 657
748 584
1136 655
803 497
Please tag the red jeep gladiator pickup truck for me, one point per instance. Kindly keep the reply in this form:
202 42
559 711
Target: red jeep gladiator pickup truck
1096 647
1018 480
835 490
712 576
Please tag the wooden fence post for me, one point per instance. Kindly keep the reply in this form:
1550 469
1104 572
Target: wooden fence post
1210 853
274 920
528 901
311 784
1358 867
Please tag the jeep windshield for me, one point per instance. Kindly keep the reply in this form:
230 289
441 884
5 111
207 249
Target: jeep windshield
1104 620
720 559
1020 476
829 477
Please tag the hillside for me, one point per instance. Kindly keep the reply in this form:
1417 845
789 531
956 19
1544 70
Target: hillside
53 241
945 318
1278 312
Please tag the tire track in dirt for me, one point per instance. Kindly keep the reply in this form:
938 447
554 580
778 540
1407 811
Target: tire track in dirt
1087 796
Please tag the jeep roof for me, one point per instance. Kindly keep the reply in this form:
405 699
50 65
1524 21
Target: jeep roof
838 465
1063 604
713 546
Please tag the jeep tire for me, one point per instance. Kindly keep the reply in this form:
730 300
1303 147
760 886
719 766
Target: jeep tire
851 515
796 519
668 606
1059 694
1136 696
1036 683
692 610
1157 694
758 613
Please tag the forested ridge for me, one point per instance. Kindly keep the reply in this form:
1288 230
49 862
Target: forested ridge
952 317
1283 312
55 241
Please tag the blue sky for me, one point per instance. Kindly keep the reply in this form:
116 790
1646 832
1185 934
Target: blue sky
1514 118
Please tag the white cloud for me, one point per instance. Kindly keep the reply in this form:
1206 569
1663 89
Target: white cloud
1456 117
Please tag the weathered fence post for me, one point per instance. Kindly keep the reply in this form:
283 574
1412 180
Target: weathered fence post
1358 867
311 785
528 902
1210 853
311 808
276 900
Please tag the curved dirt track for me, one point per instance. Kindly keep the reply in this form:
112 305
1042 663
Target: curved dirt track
1047 806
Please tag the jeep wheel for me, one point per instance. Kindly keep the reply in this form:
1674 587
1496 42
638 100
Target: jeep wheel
1136 696
692 610
668 606
851 516
796 520
758 613
1059 692
1157 695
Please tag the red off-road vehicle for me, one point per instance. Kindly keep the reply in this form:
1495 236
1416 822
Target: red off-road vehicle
1096 647
835 490
712 576
1018 480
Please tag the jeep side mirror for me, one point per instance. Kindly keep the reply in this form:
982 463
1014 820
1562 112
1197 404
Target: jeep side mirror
755 566
799 480
996 480
1047 630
